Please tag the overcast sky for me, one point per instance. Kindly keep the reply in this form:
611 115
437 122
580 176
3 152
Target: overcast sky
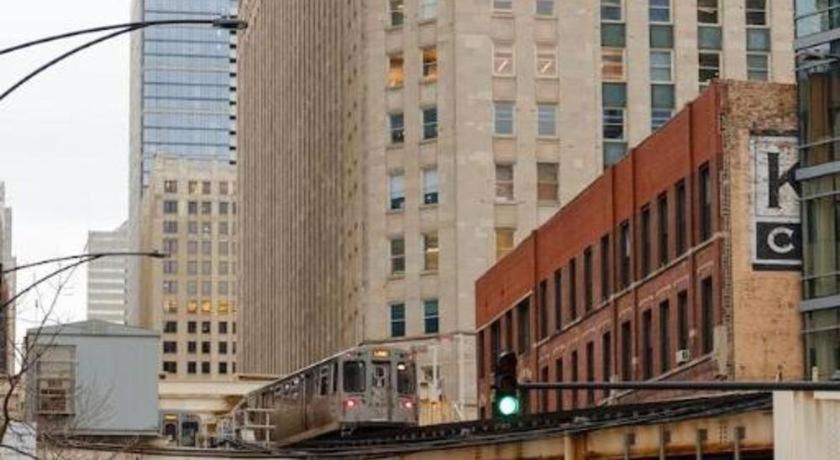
63 136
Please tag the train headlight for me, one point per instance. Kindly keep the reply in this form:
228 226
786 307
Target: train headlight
408 404
351 403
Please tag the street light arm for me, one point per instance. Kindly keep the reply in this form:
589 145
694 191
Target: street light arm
153 254
45 278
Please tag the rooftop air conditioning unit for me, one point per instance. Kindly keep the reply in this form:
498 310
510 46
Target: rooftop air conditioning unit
683 356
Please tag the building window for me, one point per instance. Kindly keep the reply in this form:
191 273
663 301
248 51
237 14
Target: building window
626 352
397 256
605 267
430 186
658 117
647 345
206 187
170 186
545 7
662 103
504 242
709 66
170 347
431 318
396 71
481 355
612 64
223 208
523 326
707 11
544 394
170 267
590 371
574 366
645 240
205 327
682 320
573 314
223 187
546 61
170 287
495 340
664 337
223 369
191 369
558 377
170 367
543 303
223 329
756 12
682 227
758 66
430 251
662 211
191 347
661 66
206 208
170 207
397 127
205 367
588 280
192 187
503 118
428 9
606 360
707 315
430 123
504 182
705 197
547 182
547 120
430 64
614 124
624 253
396 11
659 11
503 63
611 10
205 348
505 6
192 208
396 185
398 320
192 227
170 327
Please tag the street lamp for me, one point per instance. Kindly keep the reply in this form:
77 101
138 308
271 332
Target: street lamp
222 22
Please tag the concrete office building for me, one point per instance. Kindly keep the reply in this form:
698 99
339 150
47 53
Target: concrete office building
189 213
8 286
410 143
106 276
183 96
818 66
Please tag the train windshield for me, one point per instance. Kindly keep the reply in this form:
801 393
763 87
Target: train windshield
354 376
405 379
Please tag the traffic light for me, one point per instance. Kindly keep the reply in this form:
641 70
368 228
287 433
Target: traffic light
506 401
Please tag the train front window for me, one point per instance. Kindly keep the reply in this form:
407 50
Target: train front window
405 379
354 376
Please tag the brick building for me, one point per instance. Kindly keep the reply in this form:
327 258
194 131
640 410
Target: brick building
680 262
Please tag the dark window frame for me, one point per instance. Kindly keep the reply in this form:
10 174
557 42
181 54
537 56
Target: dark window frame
664 225
664 336
647 345
707 315
704 200
605 267
681 218
645 246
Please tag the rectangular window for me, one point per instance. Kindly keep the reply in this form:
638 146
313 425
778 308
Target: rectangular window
431 318
170 207
223 208
170 327
606 360
397 127
430 123
396 71
397 256
495 341
682 320
645 241
170 347
546 61
505 6
430 186
206 186
547 182
430 64
428 9
605 267
503 116
709 62
170 267
662 211
758 66
647 345
504 242
223 368
396 11
757 12
523 323
481 356
191 347
661 66
613 124
590 371
707 315
547 120
624 253
707 11
192 208
558 300
205 367
612 64
658 117
170 367
170 186
659 11
558 377
543 302
611 10
588 280
397 191
544 7
170 287
504 182
705 197
573 289
398 320
574 378
626 352
664 337
682 226
503 63
205 348
430 251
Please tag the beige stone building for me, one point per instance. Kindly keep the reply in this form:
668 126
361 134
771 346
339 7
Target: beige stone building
189 212
392 150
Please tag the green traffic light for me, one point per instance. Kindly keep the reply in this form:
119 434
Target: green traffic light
509 405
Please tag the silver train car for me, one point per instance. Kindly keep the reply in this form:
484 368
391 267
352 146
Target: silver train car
363 387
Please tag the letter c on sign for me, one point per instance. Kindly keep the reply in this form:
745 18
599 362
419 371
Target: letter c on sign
786 244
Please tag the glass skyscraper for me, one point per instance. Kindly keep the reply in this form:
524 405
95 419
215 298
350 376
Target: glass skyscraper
818 74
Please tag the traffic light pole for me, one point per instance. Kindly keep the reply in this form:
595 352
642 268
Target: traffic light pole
686 385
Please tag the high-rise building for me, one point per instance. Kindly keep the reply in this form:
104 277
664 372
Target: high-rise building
391 151
818 68
183 85
106 276
7 287
189 213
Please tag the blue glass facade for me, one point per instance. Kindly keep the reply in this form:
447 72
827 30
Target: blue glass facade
188 83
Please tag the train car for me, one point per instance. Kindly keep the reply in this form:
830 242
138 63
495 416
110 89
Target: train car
364 387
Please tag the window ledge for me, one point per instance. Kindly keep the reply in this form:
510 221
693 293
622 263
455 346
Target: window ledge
506 202
502 14
395 276
551 78
545 17
428 141
553 138
504 76
395 146
427 21
428 81
548 203
426 273
504 136
395 211
429 207
395 88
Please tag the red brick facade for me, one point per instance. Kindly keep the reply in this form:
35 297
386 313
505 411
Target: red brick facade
608 325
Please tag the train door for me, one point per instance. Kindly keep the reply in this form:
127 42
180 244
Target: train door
382 397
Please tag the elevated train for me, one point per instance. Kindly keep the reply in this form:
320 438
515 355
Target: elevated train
360 388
